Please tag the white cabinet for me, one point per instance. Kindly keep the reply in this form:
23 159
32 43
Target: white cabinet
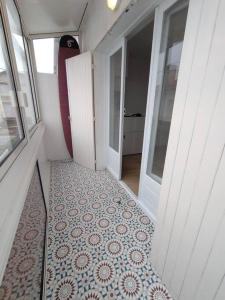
133 135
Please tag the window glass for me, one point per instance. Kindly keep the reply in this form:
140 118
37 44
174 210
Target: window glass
115 92
44 50
21 61
31 72
170 55
11 132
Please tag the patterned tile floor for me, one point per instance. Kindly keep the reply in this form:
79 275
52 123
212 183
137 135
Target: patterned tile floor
99 240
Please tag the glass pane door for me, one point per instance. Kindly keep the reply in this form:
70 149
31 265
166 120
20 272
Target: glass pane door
167 75
115 96
11 131
21 61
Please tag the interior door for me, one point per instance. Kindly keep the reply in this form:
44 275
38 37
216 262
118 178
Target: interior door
117 67
168 37
80 90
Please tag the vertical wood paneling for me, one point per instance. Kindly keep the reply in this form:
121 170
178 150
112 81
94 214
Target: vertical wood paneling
206 149
193 96
199 102
214 211
221 290
214 271
192 199
191 35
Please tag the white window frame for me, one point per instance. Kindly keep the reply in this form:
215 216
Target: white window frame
31 64
6 164
29 132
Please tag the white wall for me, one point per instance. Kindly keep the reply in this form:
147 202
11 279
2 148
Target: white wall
188 250
98 21
49 102
138 60
136 85
44 166
13 190
137 70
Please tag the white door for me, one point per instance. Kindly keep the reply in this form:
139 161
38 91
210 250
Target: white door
117 66
80 90
168 36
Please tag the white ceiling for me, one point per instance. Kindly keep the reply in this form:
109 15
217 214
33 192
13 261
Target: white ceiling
45 16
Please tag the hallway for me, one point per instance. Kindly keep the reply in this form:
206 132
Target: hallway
99 240
131 171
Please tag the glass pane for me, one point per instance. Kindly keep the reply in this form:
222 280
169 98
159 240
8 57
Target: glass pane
21 61
31 71
115 91
11 132
44 55
170 55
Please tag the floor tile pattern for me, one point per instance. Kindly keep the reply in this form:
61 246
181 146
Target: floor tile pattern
23 275
99 240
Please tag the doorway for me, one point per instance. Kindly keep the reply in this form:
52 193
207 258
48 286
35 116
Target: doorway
143 126
138 58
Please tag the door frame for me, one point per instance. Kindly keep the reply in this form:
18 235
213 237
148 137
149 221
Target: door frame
148 198
114 157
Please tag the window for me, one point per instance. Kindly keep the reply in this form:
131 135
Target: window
31 72
44 50
170 55
46 54
21 62
11 131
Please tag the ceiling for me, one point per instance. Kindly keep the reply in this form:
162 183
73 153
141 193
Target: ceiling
46 16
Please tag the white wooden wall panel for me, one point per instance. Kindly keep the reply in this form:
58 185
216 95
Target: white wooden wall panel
186 63
201 125
204 154
192 199
207 265
192 99
221 290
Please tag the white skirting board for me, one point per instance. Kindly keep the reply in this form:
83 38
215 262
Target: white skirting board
134 197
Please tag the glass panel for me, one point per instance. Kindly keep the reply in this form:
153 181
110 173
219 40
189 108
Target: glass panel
31 72
169 62
115 91
11 132
21 61
44 55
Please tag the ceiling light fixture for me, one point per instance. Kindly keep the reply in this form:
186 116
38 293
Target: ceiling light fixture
113 4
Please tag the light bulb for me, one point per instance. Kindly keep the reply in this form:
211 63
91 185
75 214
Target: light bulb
112 4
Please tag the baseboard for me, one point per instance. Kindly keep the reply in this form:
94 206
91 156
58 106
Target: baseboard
148 212
134 197
113 173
